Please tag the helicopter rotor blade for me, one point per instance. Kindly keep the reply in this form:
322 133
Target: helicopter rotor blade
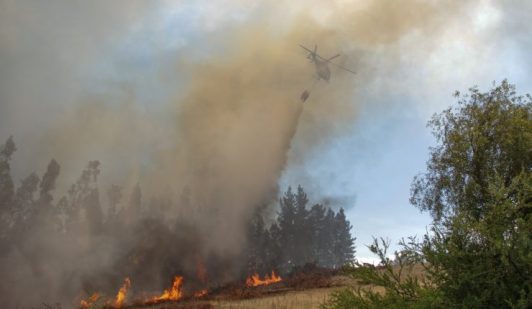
342 67
305 48
337 55
326 60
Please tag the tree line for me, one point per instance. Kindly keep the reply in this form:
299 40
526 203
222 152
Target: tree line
299 235
62 239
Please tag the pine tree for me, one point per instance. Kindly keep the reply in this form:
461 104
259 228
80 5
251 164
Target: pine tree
329 239
286 221
319 241
302 229
274 249
257 249
344 248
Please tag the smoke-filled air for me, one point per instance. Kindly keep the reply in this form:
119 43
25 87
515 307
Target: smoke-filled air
144 141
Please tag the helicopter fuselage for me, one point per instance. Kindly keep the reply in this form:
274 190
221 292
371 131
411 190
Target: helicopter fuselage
322 68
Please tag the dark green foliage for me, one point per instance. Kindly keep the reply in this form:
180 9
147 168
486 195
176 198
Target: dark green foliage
487 262
478 189
302 229
259 238
274 250
300 236
322 238
286 222
344 249
486 140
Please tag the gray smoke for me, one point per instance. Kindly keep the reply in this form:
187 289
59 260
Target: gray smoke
225 117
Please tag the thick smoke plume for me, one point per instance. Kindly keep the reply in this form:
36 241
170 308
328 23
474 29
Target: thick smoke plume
214 149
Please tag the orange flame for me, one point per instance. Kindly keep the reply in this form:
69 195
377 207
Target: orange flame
200 293
86 303
255 280
122 293
174 293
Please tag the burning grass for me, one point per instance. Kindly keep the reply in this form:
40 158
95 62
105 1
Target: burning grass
270 286
175 293
122 294
255 279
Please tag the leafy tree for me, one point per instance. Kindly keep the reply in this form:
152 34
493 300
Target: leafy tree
485 139
477 188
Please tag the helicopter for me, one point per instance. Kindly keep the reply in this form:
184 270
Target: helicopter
322 64
322 67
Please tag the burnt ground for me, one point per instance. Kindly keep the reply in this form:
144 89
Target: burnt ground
235 295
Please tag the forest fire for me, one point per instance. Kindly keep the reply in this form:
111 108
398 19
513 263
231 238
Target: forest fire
175 293
184 292
200 293
122 293
255 280
87 303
